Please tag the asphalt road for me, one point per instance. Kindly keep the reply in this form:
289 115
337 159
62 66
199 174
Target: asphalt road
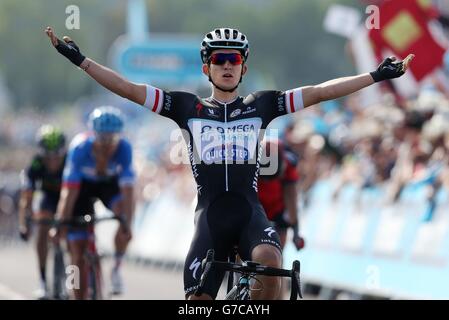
143 281
19 276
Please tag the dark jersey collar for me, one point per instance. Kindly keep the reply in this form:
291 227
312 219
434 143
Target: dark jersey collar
216 102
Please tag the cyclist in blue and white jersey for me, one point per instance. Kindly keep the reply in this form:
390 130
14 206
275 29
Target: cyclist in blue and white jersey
98 166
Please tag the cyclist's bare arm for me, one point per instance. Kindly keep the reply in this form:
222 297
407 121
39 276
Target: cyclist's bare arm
26 199
114 82
340 87
108 78
334 89
66 203
127 192
291 199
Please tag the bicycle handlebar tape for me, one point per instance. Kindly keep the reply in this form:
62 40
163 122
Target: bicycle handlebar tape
71 51
296 283
210 255
206 266
203 278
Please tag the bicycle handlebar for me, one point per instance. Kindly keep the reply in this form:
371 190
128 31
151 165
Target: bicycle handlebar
206 266
251 269
78 221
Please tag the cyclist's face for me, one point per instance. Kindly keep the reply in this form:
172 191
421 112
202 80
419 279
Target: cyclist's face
53 160
107 141
227 74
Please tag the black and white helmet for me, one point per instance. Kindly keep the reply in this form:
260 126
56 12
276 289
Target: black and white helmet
224 38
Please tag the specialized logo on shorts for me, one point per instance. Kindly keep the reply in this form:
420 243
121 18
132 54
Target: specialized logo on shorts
191 289
269 241
235 113
216 141
194 266
269 231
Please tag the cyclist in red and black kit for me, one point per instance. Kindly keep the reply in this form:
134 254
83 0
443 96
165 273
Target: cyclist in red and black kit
222 134
278 189
44 174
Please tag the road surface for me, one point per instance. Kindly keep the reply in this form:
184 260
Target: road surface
19 276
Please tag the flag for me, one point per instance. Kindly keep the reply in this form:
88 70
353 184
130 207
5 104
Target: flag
403 30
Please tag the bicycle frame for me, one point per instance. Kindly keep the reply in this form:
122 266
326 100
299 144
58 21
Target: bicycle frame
59 275
241 290
59 291
95 281
95 278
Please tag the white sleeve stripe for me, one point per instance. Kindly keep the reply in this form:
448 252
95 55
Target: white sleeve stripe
299 102
154 99
147 98
293 100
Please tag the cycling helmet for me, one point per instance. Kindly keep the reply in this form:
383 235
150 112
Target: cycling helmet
50 139
224 38
106 119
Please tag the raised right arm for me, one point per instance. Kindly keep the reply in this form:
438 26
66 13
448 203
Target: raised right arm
106 77
114 82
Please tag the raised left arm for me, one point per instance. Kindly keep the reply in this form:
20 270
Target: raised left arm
335 88
340 87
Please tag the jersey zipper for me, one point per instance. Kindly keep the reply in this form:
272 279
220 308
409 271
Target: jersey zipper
226 146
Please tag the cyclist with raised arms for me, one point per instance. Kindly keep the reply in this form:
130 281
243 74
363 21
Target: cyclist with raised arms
45 174
98 166
222 136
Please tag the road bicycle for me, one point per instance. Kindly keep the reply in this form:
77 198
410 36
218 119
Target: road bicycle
95 278
248 270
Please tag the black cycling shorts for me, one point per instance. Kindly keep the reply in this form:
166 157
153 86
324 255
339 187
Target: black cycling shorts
279 222
107 192
49 202
229 221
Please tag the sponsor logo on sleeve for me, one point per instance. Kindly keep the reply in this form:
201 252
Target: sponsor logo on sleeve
281 104
167 102
213 112
249 109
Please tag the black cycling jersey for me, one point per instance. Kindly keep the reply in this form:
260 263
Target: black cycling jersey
223 144
37 176
223 139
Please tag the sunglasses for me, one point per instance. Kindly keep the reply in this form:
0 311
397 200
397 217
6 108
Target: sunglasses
221 58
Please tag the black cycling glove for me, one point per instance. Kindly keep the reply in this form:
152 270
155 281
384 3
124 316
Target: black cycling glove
388 69
23 235
71 51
